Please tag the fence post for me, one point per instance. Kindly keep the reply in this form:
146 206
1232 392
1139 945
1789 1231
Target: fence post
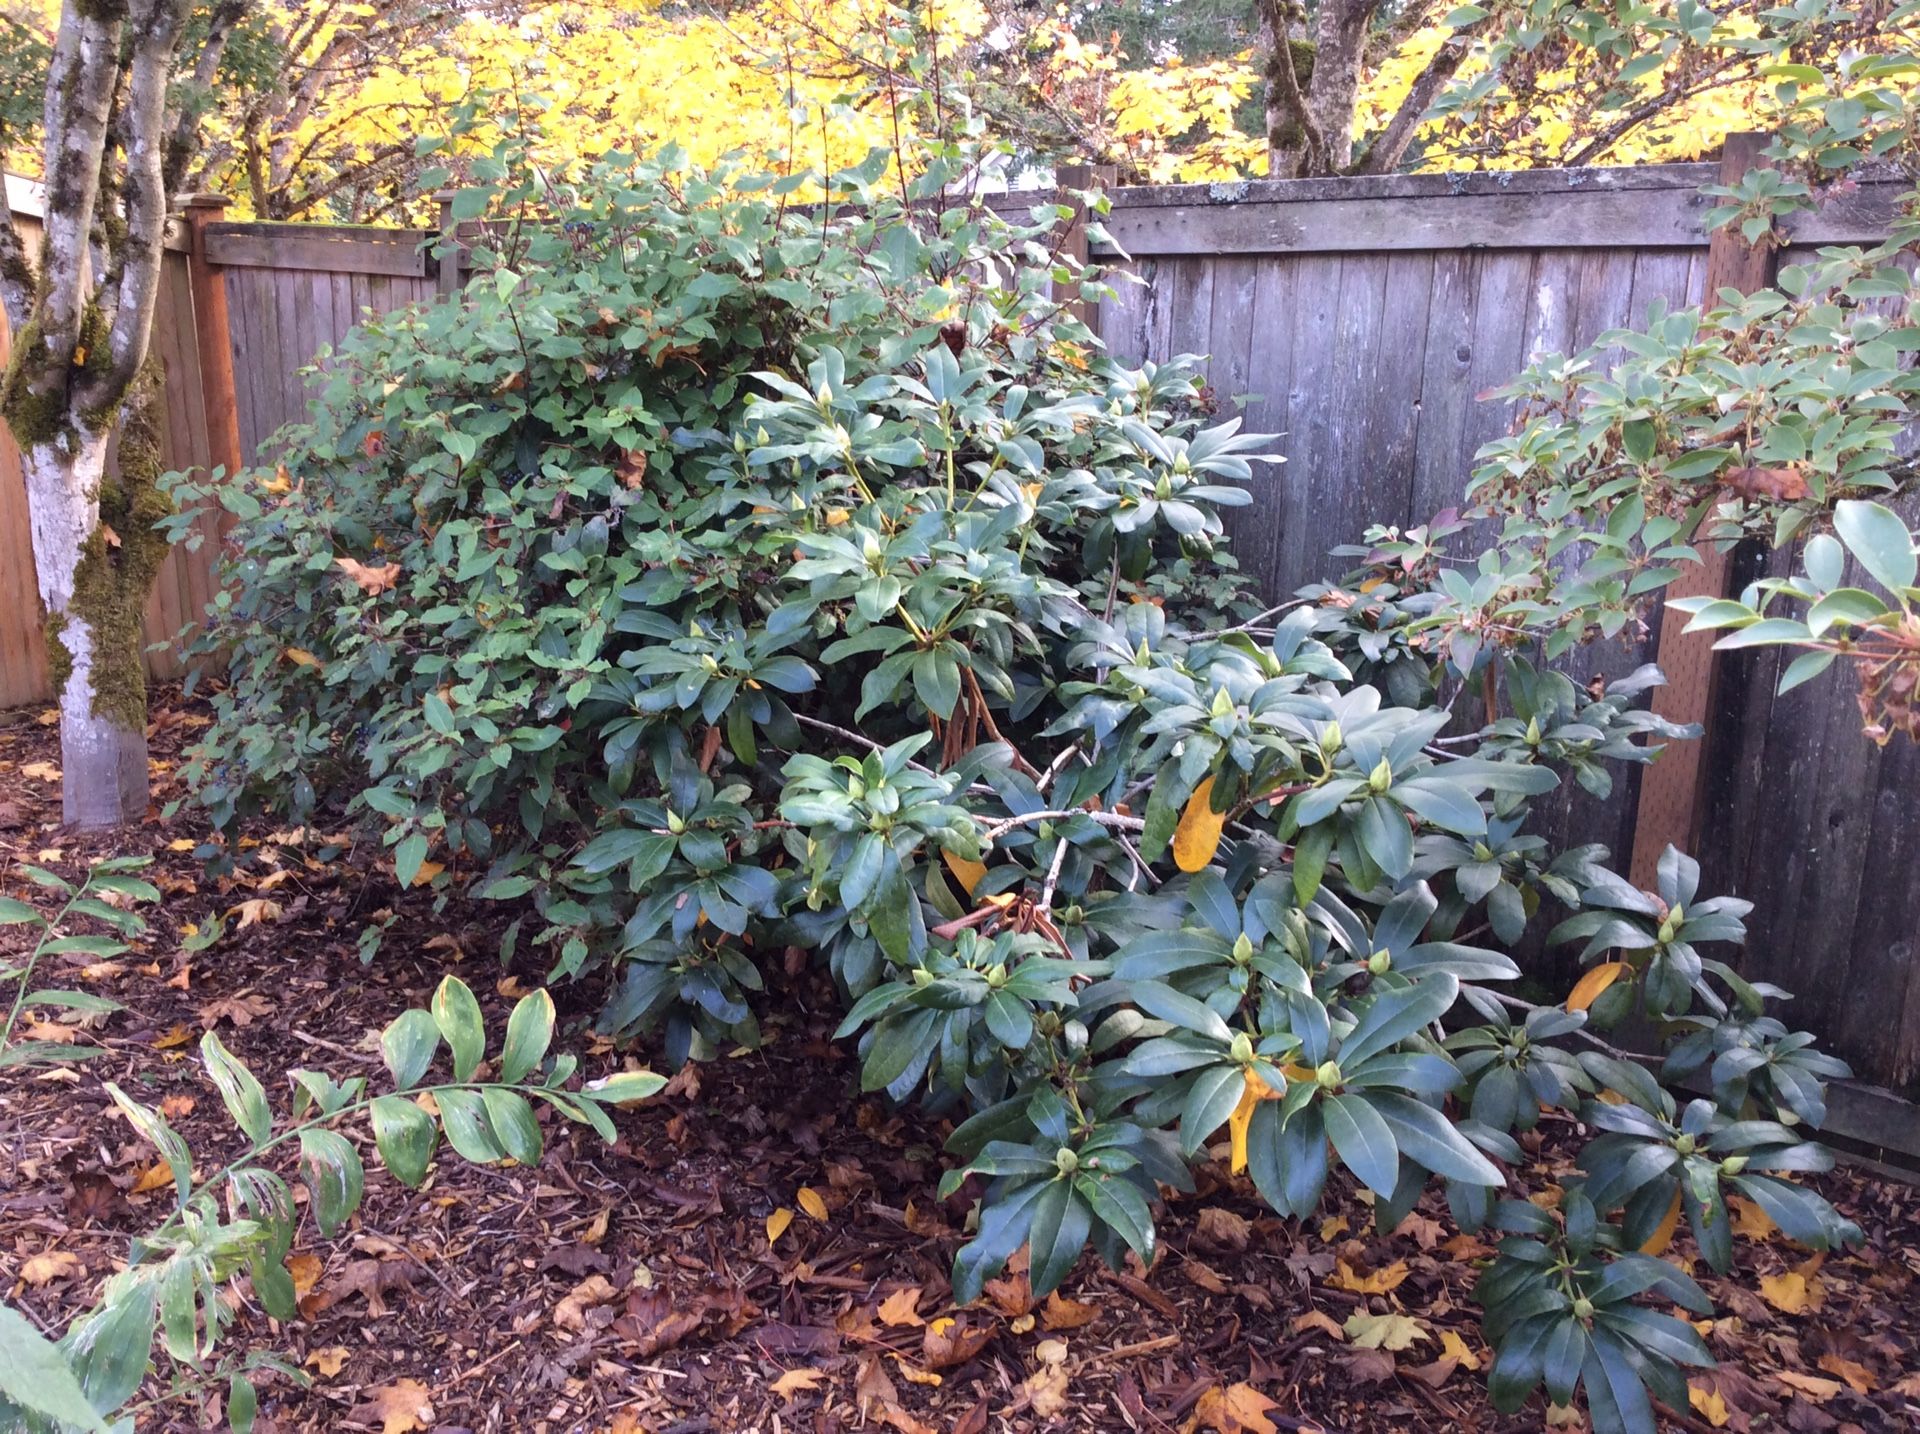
1075 245
1673 789
207 282
447 247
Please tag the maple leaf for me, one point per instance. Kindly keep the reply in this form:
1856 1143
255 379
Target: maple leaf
1237 1409
241 1009
371 581
902 1307
399 1408
256 911
1387 1331
796 1381
1379 1282
330 1361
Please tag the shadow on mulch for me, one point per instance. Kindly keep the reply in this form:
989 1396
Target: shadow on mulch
635 1287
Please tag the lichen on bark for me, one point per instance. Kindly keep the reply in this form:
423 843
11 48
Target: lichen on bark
117 565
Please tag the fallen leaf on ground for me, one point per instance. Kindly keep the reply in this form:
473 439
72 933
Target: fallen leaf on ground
1320 1320
1059 1312
1795 1292
157 1176
304 1269
571 1313
242 1009
1222 1229
1858 1377
902 1307
1379 1282
809 1200
1812 1385
951 1341
53 1265
1387 1331
1237 1409
1749 1219
797 1381
777 1223
256 911
330 1361
400 1407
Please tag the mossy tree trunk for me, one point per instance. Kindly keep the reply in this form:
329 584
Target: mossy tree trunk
1312 73
78 385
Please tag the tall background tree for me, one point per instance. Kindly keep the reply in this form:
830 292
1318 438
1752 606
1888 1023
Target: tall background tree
112 128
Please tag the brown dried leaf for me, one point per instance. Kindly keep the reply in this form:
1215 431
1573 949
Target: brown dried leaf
1060 1313
371 581
950 1340
1222 1229
571 1313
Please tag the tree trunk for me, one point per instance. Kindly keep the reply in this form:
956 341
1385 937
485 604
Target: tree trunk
95 554
1340 42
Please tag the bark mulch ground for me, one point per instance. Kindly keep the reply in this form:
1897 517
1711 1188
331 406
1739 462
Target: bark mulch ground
636 1287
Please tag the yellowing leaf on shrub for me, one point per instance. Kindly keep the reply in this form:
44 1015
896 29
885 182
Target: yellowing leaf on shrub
1590 986
1662 1236
300 657
1197 837
967 873
808 1199
777 1223
1241 1120
1380 1282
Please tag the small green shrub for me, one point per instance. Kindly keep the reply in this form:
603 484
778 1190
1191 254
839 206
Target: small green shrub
241 1219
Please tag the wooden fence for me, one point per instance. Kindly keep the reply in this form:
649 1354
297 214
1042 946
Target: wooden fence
1361 320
